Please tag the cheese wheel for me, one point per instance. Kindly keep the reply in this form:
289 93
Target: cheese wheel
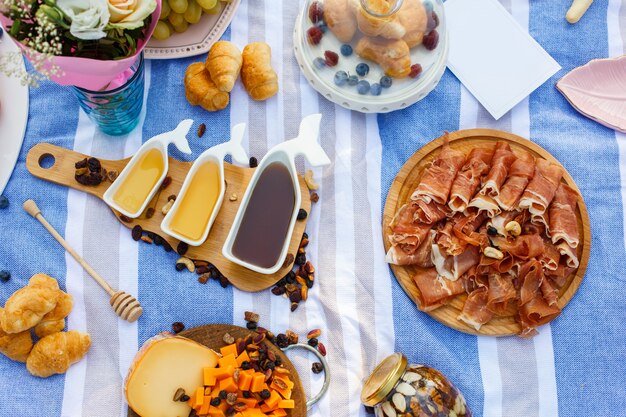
164 364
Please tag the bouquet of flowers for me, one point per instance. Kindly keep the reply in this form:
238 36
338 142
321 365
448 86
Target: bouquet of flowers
84 43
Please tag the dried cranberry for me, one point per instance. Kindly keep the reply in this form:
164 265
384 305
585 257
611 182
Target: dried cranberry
331 58
316 12
416 70
431 40
314 35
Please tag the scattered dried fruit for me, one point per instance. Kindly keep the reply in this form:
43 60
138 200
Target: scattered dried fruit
314 334
112 175
125 218
251 316
178 394
182 248
149 212
315 197
321 348
178 327
187 263
136 232
253 162
146 239
308 179
201 130
231 398
166 183
202 279
317 367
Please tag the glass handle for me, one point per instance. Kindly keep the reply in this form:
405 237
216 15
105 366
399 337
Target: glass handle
322 359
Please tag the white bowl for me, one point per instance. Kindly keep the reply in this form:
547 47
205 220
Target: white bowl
285 153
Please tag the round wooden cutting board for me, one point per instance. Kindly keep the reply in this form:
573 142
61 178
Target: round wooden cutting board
407 180
211 335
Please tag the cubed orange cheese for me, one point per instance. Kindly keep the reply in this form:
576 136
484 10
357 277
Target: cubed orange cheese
258 380
243 358
218 373
279 412
216 391
286 404
250 402
267 409
215 412
198 398
252 412
245 380
204 408
273 400
228 385
209 377
228 360
229 350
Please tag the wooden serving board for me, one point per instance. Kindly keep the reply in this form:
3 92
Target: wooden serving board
237 178
210 335
407 180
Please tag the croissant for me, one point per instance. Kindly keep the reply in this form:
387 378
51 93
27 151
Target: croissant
201 90
54 354
339 16
15 346
54 321
393 56
412 15
257 74
388 27
224 63
27 306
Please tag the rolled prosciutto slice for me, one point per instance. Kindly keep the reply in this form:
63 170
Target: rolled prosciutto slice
430 213
435 291
454 267
535 313
541 189
437 179
406 235
522 247
420 257
501 292
520 174
569 253
563 223
502 159
486 204
468 178
475 312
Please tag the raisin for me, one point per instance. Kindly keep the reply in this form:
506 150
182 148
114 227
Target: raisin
251 325
279 290
224 281
178 327
313 342
182 248
302 214
492 231
282 341
94 165
245 365
216 401
265 394
317 367
184 398
223 394
81 164
253 162
136 233
301 259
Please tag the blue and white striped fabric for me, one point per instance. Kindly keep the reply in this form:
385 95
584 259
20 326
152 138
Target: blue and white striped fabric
574 367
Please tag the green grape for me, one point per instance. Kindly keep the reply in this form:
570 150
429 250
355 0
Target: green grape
162 31
193 13
207 4
215 10
176 18
179 6
165 10
182 27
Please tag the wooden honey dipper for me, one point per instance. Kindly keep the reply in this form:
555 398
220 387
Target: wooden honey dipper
125 305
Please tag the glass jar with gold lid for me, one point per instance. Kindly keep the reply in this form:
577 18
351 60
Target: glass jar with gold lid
397 389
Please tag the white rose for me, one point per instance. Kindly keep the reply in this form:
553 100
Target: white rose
130 14
89 17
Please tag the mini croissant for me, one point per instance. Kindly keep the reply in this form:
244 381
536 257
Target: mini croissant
257 74
393 56
15 346
27 306
54 354
201 90
224 63
54 321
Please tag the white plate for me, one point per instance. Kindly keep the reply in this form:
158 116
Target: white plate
197 39
13 116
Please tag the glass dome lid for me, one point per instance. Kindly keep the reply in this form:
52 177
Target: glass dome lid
372 56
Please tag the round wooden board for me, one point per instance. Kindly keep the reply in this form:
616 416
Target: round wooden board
237 179
210 335
407 180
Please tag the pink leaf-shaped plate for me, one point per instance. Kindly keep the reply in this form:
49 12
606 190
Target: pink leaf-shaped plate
598 90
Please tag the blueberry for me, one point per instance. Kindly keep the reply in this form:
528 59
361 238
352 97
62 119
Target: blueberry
363 87
376 89
322 26
4 202
346 50
319 63
385 81
362 69
341 77
353 80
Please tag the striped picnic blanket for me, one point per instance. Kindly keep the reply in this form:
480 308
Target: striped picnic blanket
574 367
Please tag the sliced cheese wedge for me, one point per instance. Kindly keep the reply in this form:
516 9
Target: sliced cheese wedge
164 364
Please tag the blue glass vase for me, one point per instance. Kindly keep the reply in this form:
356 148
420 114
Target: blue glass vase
116 112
